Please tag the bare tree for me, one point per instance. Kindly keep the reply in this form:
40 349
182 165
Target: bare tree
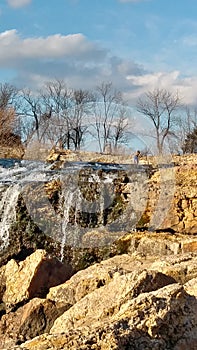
56 100
79 122
106 111
44 112
8 96
31 114
64 116
120 128
160 106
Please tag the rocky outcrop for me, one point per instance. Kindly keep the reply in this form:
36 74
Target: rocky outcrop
69 156
155 320
24 280
149 302
172 198
140 287
162 198
28 321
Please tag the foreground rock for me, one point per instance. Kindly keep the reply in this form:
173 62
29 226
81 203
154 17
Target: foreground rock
31 278
127 301
164 319
28 321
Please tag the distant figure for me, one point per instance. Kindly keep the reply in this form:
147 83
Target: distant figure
136 157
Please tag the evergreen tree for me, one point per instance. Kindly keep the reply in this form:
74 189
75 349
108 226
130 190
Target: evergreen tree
190 144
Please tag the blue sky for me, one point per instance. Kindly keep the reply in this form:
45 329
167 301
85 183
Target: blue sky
136 44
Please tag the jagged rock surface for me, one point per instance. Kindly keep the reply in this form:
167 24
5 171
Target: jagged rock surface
129 301
143 298
31 278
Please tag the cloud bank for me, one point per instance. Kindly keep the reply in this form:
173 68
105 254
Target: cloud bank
83 64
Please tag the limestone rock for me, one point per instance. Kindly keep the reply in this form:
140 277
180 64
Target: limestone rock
127 299
28 321
32 277
165 319
82 283
156 243
191 287
172 199
180 268
92 278
105 302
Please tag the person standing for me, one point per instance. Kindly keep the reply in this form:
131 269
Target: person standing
136 157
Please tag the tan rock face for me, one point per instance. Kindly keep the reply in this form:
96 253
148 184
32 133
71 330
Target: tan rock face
32 277
82 283
172 199
191 287
147 301
29 321
104 303
167 200
164 319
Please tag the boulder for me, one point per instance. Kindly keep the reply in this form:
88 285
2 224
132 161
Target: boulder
165 319
147 301
32 277
191 287
104 303
27 322
97 276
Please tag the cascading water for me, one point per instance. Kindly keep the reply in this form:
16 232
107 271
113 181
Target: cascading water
88 197
66 197
8 212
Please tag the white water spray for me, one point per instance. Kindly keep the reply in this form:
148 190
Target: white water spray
67 197
8 213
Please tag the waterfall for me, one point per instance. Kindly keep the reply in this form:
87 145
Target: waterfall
102 204
87 197
7 212
67 199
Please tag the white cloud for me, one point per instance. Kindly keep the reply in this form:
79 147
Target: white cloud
159 79
18 3
71 57
13 47
83 64
172 81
